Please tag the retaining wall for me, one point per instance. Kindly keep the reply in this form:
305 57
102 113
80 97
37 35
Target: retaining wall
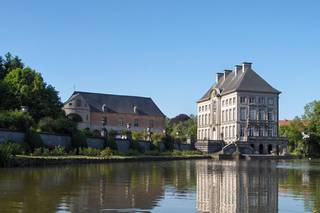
6 134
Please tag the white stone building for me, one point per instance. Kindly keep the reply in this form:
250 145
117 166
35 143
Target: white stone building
240 106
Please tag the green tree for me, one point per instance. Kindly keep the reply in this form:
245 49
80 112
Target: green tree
8 64
27 88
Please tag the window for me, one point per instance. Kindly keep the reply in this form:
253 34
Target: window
270 101
233 131
242 100
209 119
261 115
227 118
199 108
270 131
234 101
260 131
242 114
270 115
136 123
121 122
227 102
202 108
250 131
241 131
222 116
252 100
78 103
230 119
234 114
87 117
230 101
206 107
253 115
222 103
206 119
226 133
222 132
151 123
261 100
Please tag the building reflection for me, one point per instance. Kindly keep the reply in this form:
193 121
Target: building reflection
231 186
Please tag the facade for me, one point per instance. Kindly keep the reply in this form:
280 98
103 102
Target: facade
114 112
240 106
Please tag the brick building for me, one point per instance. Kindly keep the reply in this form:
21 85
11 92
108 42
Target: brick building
114 112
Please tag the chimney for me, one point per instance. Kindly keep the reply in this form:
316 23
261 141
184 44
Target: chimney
237 69
246 66
219 76
226 73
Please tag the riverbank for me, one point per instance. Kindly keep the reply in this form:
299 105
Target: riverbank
31 161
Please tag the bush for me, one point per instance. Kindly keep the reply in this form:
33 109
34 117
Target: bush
9 149
15 120
60 125
111 143
79 140
106 152
41 152
33 140
89 152
58 151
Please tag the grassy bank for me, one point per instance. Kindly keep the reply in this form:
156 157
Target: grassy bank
27 160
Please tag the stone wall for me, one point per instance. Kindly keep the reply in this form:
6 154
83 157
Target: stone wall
53 140
123 145
144 145
96 143
6 134
209 146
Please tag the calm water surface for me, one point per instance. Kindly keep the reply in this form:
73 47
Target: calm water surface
177 186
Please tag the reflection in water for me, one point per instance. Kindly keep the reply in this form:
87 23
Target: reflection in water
232 186
176 186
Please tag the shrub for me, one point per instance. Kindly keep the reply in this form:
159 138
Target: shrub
89 152
79 140
33 140
58 151
111 143
41 152
15 120
106 152
60 125
158 137
9 149
137 136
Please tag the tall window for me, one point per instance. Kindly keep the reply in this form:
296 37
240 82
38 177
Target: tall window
241 131
205 119
227 102
261 100
250 131
260 131
199 108
242 100
270 131
227 119
261 115
252 114
226 133
234 101
234 114
230 119
151 123
242 114
270 115
222 132
209 119
136 123
222 116
222 103
233 131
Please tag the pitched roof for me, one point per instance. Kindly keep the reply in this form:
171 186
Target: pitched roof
244 81
119 103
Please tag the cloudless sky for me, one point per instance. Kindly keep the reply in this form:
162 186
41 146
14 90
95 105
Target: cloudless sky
169 50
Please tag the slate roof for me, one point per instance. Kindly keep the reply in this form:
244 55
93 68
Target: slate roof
245 81
119 103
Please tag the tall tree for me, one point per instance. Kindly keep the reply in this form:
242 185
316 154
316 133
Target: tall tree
27 88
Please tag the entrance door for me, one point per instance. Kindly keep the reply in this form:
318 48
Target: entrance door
269 149
261 149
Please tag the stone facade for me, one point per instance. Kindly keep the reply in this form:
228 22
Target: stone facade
238 106
116 116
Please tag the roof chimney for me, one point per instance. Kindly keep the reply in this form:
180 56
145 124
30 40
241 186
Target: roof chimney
246 66
219 76
226 73
237 69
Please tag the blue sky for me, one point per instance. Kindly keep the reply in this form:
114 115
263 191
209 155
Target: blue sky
169 50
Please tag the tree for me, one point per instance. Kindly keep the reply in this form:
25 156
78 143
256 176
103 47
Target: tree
183 129
27 88
8 64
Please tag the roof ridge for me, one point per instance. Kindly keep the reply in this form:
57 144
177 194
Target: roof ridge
96 93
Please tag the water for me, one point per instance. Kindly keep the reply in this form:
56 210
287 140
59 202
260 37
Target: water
176 186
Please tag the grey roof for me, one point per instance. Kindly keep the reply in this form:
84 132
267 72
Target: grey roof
244 81
119 103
